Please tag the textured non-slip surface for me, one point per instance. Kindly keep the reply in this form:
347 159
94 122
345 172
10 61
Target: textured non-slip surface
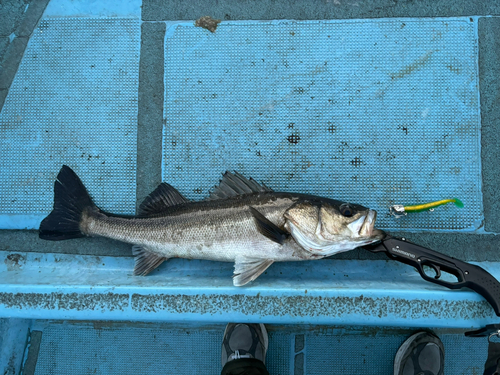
73 101
376 112
465 246
151 91
135 348
162 349
373 352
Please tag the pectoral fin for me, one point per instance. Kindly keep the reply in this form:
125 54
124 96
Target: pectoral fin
145 261
248 269
267 228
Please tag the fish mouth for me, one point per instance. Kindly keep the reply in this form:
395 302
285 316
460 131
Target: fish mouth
368 227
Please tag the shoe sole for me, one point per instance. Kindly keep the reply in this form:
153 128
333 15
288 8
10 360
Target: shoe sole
263 333
404 347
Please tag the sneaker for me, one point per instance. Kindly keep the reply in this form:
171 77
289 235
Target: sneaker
421 354
244 341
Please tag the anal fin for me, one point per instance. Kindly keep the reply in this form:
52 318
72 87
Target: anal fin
248 269
145 260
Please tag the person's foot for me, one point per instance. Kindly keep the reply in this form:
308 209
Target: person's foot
244 341
420 354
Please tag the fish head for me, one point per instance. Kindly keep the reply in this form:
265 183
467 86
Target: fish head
328 227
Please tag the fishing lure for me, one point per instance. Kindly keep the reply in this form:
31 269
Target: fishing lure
399 210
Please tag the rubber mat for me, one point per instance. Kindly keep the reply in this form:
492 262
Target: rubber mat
73 101
377 112
373 351
122 349
141 348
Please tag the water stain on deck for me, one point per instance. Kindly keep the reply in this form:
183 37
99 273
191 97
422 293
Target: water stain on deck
14 262
409 69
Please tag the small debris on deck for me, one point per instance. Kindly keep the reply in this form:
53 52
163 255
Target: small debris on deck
208 23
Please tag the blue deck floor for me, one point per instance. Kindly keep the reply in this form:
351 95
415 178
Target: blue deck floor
141 348
391 103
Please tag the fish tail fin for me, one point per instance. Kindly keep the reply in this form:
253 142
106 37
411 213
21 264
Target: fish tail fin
71 199
458 202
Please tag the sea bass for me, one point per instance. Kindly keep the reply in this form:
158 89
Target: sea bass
242 222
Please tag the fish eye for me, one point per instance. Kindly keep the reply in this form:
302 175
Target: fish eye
346 210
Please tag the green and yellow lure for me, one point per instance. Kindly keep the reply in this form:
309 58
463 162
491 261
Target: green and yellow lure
399 210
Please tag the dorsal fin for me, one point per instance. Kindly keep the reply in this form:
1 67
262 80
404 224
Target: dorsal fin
160 199
233 184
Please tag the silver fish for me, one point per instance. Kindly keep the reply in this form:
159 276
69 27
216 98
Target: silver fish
242 222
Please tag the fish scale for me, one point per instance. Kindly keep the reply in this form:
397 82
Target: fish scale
242 222
221 232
